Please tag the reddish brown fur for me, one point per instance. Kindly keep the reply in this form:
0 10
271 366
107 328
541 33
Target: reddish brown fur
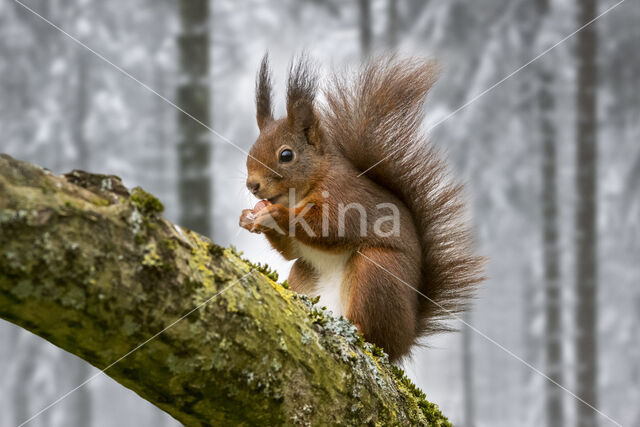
378 114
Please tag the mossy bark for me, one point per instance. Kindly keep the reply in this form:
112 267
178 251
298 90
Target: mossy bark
96 270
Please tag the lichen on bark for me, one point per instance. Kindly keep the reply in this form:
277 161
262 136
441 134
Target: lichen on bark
96 270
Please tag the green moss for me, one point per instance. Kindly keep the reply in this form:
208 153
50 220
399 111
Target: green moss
130 326
140 238
75 297
101 202
145 202
151 258
23 289
232 302
47 187
377 351
169 244
264 269
200 264
215 250
180 366
430 410
235 251
318 317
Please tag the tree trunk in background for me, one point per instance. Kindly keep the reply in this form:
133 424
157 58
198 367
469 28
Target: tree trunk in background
153 169
193 96
467 374
164 174
81 105
77 408
635 355
532 345
550 250
551 255
28 346
366 37
392 24
539 108
586 347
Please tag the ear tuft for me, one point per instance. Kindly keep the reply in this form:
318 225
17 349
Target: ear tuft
264 110
301 91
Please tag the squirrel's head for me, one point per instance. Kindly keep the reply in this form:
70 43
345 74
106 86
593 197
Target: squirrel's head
288 153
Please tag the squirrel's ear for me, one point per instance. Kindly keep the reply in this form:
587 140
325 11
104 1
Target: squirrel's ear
301 91
264 112
302 118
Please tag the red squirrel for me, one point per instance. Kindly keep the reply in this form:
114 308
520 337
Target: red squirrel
357 196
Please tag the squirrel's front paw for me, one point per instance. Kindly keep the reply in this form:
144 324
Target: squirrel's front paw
247 219
270 218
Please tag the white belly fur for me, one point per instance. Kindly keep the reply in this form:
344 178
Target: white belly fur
330 269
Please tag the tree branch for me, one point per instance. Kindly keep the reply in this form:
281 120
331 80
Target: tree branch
97 271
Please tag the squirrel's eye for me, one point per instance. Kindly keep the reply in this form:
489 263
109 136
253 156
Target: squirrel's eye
286 156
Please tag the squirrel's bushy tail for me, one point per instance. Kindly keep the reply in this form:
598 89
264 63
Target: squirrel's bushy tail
375 119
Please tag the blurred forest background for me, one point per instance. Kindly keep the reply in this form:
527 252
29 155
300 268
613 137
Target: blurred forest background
551 157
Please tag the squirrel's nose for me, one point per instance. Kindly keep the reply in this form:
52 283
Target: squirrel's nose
253 186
